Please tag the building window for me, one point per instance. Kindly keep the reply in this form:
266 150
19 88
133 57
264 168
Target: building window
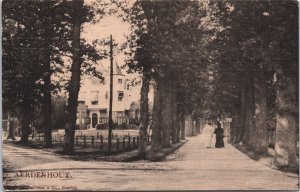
94 102
120 81
94 95
103 119
119 114
81 102
103 113
120 95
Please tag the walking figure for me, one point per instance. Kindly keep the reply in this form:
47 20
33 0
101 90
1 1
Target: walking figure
208 132
219 136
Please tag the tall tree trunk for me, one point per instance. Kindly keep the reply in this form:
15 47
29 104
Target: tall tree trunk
235 126
178 126
156 130
144 114
178 114
175 125
166 110
182 120
261 132
47 105
241 131
11 126
26 112
249 138
11 94
47 110
287 121
75 79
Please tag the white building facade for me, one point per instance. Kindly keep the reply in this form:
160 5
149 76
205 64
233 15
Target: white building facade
93 100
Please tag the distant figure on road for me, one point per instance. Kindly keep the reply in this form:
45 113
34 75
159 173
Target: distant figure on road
219 136
208 132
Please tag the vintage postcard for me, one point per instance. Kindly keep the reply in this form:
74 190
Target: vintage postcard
109 95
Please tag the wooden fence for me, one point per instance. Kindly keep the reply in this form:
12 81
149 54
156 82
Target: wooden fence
98 142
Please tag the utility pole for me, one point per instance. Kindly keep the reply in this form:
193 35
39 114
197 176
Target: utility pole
110 123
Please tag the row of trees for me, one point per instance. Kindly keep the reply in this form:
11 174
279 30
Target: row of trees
42 49
169 46
235 58
204 59
44 35
257 75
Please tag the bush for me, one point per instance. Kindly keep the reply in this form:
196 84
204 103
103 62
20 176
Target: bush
102 126
124 126
105 126
114 125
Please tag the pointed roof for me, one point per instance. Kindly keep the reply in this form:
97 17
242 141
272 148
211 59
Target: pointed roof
117 69
105 70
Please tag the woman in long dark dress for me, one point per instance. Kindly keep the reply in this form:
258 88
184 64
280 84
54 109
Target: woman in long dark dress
219 136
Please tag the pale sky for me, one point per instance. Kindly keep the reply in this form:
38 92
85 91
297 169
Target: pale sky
108 26
111 25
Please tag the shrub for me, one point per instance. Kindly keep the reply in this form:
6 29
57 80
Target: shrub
124 126
102 126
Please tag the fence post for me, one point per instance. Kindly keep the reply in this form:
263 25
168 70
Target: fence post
93 141
84 141
101 140
97 135
148 138
138 140
133 141
129 142
123 143
118 143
